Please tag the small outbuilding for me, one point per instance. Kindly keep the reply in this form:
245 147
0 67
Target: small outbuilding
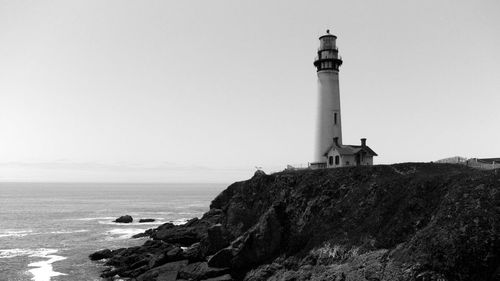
339 155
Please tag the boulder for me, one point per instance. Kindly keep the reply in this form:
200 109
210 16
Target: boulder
99 255
146 220
134 256
194 253
195 230
225 277
131 273
183 235
200 271
143 234
222 258
260 243
108 273
173 254
166 272
216 239
124 219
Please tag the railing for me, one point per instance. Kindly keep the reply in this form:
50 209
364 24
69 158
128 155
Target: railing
302 166
296 167
327 58
325 49
317 165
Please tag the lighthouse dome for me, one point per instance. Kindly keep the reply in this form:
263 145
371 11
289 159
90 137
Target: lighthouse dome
328 34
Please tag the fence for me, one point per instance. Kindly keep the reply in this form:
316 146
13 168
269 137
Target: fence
472 162
478 164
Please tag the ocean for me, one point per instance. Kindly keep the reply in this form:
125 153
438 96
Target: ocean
47 230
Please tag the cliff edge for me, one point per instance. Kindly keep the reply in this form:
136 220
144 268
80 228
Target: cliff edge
412 221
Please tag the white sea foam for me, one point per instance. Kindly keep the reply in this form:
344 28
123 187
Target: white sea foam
94 219
180 221
134 223
43 270
12 253
123 233
156 212
15 233
69 231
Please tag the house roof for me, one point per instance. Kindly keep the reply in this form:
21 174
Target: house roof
350 149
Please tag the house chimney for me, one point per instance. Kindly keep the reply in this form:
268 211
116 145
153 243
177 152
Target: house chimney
363 142
336 141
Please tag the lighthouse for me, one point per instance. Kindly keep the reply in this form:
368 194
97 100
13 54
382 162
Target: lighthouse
329 151
328 122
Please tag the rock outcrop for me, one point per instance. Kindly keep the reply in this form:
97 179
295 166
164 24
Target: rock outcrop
409 221
124 219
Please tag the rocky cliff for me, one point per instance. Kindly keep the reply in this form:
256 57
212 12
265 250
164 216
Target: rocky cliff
398 222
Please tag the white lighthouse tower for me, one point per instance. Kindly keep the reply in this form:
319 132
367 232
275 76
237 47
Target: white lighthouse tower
329 151
328 123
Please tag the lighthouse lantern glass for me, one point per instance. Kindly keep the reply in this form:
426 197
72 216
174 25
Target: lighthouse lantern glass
327 43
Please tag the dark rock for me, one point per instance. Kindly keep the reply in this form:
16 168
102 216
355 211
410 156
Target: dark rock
201 270
158 260
166 272
429 276
134 272
124 219
146 220
139 263
264 272
388 222
99 255
185 236
192 232
144 234
194 253
173 254
260 243
225 277
162 276
191 222
222 258
129 256
216 239
140 235
259 173
110 273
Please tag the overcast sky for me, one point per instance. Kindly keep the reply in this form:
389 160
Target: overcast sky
204 91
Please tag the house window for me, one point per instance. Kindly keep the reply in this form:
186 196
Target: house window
347 163
337 160
335 118
330 160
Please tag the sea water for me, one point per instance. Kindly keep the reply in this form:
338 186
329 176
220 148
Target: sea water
47 230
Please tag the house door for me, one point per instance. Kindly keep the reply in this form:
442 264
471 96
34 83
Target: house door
358 160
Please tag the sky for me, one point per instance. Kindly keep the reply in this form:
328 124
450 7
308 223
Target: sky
205 91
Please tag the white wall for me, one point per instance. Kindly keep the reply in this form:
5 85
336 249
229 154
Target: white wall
346 160
328 105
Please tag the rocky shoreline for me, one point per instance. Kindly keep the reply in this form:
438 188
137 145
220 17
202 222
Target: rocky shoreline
411 221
